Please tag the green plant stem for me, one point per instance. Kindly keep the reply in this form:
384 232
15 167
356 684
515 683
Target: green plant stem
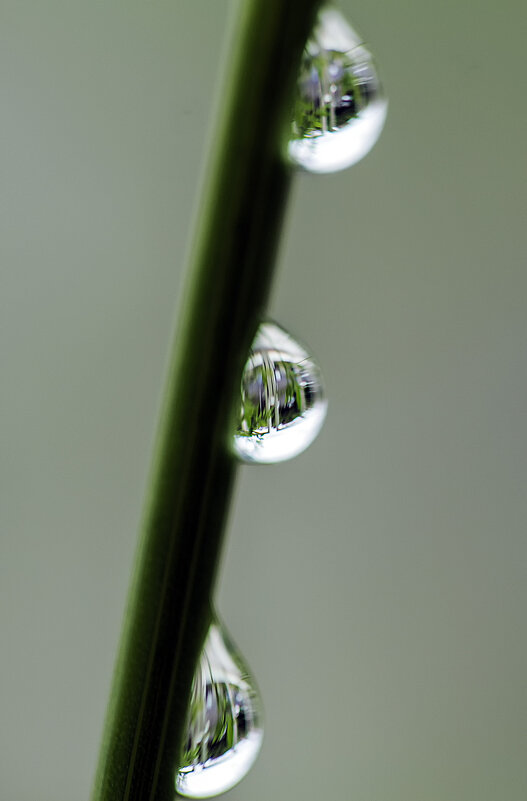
228 281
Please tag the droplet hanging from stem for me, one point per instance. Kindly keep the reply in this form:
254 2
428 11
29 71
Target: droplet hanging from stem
340 107
224 725
283 404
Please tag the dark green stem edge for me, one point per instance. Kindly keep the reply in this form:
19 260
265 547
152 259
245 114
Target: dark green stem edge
231 263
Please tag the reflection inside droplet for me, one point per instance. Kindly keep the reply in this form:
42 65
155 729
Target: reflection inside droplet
340 108
224 726
283 404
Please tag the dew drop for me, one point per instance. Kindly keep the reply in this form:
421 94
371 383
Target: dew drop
224 726
340 108
283 403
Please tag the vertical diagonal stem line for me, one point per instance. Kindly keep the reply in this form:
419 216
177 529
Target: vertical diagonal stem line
231 263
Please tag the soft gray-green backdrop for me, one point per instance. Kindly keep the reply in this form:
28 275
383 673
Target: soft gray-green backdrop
377 584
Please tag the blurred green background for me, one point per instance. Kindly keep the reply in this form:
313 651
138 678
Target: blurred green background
377 584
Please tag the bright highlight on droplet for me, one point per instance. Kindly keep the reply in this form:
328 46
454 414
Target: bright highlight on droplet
340 108
224 726
283 405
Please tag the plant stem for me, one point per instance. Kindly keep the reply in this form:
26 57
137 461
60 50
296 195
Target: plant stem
228 281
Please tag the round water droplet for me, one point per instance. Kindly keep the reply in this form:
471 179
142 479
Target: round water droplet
282 399
224 726
340 108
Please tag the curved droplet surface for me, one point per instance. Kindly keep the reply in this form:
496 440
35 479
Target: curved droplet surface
224 726
283 404
340 108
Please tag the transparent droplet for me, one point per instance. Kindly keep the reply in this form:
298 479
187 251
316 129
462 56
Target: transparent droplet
340 107
224 726
283 404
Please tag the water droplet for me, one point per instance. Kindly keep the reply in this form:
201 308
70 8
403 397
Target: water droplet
224 726
283 404
340 107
